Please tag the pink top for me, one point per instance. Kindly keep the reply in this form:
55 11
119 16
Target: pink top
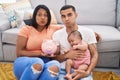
82 60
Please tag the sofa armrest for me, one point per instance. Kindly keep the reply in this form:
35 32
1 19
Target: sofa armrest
4 25
1 50
4 22
119 28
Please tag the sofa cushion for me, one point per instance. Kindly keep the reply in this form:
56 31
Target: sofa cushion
53 17
95 11
54 7
10 36
4 23
9 9
108 59
110 38
28 22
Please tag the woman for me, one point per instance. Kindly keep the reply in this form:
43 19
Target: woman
32 63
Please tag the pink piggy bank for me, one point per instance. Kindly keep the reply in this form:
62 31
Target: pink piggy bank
49 47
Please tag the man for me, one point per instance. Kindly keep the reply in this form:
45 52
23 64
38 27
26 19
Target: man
68 16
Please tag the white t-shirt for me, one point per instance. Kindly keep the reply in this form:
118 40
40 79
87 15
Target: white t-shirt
60 37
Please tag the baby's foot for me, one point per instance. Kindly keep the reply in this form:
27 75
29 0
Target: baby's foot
68 77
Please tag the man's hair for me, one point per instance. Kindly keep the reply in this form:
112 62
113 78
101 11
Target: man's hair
67 7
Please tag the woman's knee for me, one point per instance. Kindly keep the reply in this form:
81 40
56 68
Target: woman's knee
36 68
54 68
37 64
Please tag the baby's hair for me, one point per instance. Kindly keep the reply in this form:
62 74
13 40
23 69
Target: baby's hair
75 32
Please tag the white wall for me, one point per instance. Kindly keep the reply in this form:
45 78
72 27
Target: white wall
7 1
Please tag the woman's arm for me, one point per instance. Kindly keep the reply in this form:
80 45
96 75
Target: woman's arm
21 48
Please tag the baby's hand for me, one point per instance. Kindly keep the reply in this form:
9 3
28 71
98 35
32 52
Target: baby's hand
68 77
75 47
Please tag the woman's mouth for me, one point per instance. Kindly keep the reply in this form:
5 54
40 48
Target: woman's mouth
42 21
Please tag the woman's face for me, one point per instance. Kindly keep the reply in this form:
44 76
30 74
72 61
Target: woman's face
41 17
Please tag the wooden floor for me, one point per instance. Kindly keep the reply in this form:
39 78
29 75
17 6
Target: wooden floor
116 70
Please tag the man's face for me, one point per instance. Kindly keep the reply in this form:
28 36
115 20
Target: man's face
68 17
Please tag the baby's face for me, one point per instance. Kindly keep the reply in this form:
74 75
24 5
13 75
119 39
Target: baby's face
74 40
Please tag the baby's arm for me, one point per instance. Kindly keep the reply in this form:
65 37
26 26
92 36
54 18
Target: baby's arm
82 46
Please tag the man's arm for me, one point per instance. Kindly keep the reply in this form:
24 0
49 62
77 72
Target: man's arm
94 57
72 54
94 60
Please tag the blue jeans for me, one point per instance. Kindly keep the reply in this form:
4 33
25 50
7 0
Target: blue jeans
23 69
63 73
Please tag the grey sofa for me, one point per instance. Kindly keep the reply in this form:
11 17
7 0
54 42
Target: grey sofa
103 16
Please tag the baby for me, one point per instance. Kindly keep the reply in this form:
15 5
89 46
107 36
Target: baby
82 63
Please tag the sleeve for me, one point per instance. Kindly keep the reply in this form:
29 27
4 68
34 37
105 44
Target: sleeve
92 38
55 37
89 36
24 31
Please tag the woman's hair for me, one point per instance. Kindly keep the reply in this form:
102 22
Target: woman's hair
34 23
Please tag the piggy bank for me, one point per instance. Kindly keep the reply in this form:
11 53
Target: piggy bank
49 46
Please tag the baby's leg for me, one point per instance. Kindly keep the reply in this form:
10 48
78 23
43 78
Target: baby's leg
69 64
82 67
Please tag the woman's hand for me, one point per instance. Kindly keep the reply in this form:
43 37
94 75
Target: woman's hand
74 54
42 54
51 56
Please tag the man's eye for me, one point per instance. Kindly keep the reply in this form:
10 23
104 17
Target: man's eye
63 16
70 14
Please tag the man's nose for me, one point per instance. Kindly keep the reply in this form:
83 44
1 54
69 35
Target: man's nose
66 18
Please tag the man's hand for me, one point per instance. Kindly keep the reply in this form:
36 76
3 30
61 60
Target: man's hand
74 54
98 37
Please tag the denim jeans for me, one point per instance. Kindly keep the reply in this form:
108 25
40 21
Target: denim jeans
63 73
23 69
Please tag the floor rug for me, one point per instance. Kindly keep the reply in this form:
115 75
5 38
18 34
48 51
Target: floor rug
6 73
